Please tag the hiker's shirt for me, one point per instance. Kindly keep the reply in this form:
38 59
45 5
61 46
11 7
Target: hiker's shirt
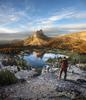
64 64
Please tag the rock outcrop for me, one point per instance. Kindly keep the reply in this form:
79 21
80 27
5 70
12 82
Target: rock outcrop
46 87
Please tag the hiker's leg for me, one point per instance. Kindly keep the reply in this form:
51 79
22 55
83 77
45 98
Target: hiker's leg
65 74
60 73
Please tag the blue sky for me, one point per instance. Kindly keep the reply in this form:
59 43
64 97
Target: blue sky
53 16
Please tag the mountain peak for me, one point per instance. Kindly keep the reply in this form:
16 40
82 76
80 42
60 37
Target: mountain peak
39 34
38 38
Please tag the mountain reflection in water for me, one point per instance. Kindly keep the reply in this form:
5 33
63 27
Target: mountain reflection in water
35 61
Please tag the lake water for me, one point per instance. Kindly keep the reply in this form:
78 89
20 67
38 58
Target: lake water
52 56
40 62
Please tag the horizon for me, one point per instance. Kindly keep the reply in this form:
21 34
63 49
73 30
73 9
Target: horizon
20 18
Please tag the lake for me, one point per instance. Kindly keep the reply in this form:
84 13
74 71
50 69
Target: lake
47 56
40 62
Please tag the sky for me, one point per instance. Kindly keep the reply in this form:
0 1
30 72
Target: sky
18 18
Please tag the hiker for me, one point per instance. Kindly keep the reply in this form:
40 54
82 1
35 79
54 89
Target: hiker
64 66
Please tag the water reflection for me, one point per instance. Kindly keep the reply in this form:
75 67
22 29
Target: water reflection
47 56
35 60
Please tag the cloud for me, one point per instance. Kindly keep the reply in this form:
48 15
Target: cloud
7 15
65 29
62 15
10 14
73 26
70 13
51 21
78 15
25 21
5 33
7 30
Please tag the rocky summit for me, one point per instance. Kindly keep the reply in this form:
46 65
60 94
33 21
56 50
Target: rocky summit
37 38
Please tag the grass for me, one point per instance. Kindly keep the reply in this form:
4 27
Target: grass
73 56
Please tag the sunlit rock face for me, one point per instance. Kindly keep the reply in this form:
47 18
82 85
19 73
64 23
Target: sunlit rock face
75 42
37 38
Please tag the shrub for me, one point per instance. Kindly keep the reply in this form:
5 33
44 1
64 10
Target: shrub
50 60
7 78
22 64
83 67
38 70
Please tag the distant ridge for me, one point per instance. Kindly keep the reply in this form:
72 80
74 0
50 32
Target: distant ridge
78 35
74 42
